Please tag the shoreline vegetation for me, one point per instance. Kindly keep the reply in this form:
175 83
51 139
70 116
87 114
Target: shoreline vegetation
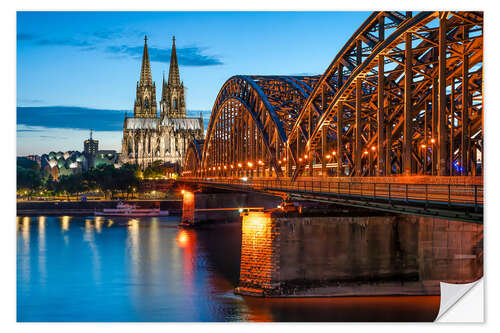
104 182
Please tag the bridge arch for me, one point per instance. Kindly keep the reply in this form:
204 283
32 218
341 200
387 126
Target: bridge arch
250 122
192 159
402 97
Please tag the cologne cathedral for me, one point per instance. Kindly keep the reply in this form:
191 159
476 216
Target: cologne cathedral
148 137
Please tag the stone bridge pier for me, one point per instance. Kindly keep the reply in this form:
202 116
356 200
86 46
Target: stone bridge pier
215 207
348 255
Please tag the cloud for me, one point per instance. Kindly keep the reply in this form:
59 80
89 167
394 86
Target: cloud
44 41
25 36
107 34
62 42
71 117
30 101
187 56
30 119
28 130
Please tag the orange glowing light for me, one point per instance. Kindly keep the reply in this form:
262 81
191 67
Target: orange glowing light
182 191
250 164
373 148
284 158
334 153
366 152
279 162
239 165
433 140
255 224
260 162
305 157
300 159
328 156
232 166
219 168
225 167
183 238
423 146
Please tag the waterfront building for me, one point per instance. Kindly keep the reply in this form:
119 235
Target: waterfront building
90 148
148 137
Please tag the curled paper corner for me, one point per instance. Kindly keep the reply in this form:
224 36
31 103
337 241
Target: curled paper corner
461 302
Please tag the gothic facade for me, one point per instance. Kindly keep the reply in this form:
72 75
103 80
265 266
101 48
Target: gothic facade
148 137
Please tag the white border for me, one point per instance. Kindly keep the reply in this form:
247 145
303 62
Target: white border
8 70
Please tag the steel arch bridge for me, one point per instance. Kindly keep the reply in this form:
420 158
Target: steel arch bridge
402 97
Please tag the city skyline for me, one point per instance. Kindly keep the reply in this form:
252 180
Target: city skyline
90 62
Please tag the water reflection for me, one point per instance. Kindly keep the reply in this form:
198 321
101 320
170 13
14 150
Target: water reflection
98 220
42 256
133 245
25 256
149 270
89 238
65 223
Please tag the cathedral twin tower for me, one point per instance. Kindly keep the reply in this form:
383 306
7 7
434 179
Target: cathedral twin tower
148 138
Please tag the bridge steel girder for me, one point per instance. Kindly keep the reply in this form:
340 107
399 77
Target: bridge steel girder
402 97
192 159
408 48
250 122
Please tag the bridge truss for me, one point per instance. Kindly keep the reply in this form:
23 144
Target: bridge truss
402 97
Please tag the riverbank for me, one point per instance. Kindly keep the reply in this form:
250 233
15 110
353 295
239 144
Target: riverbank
30 208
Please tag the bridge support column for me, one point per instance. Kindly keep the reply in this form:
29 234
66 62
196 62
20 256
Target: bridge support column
324 151
408 109
344 255
188 199
442 101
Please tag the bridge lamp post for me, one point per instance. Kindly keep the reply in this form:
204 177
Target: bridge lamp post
365 154
334 155
249 169
373 148
424 157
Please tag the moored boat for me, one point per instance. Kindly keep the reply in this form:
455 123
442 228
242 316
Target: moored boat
124 209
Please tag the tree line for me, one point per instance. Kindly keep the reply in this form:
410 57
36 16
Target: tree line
106 178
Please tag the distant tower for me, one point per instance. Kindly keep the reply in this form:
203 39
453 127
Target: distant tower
145 100
173 104
90 148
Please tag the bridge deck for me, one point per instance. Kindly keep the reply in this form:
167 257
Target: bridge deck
462 201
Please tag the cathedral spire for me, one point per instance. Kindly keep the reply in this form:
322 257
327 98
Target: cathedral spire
173 73
146 67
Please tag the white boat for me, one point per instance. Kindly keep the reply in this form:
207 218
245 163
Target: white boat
124 209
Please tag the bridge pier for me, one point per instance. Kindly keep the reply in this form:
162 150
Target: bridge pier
292 255
216 207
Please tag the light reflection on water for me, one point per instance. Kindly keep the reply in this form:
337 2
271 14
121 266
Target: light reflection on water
98 269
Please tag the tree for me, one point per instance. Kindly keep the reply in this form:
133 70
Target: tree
156 169
28 179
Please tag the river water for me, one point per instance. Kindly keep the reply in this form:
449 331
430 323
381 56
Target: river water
100 269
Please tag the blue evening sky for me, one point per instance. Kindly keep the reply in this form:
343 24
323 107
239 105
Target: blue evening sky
87 63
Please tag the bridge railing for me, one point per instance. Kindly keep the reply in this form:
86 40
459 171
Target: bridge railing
450 194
